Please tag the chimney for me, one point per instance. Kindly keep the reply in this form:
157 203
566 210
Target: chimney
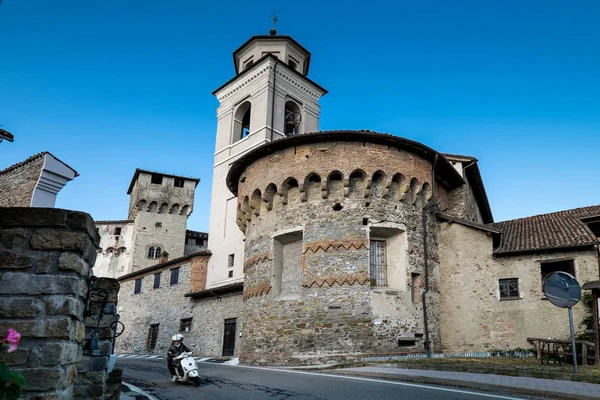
164 257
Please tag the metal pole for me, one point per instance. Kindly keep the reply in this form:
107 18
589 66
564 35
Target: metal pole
573 339
596 308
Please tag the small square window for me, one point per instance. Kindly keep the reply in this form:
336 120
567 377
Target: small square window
230 274
156 179
185 325
179 182
158 225
117 231
157 280
555 266
509 288
174 276
138 286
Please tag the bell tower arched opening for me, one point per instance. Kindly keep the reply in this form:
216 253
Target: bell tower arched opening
241 122
293 118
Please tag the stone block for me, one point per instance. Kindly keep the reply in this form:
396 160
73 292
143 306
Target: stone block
14 260
71 374
79 332
83 363
61 352
103 323
111 285
35 358
44 378
56 305
97 363
40 328
20 307
49 239
79 220
90 252
32 216
72 262
13 283
45 264
82 290
92 377
14 238
17 357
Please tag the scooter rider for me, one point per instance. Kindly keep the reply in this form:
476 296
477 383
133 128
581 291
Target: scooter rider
177 347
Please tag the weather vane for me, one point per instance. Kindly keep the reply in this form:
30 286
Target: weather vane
274 16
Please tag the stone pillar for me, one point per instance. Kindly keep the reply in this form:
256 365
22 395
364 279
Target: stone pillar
94 381
46 256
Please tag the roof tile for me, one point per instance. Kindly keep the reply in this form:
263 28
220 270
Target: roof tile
561 229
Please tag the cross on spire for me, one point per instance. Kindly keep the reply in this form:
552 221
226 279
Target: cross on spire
274 16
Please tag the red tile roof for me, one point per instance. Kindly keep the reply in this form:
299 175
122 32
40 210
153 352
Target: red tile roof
553 231
215 291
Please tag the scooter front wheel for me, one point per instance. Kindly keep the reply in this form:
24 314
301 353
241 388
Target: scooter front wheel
196 380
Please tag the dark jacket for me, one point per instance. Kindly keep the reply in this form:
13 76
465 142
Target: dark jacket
176 351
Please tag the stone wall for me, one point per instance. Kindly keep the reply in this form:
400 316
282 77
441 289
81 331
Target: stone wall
167 305
152 229
473 318
462 204
379 191
17 183
46 257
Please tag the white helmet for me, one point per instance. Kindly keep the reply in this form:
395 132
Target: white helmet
178 337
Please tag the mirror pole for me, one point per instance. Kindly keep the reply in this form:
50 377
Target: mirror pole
573 340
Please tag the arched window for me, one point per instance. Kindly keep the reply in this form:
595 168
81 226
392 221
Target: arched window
293 118
154 252
241 122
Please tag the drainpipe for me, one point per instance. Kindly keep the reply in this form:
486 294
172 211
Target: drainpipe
598 253
425 257
273 100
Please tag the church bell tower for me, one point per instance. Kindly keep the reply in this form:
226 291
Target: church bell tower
269 98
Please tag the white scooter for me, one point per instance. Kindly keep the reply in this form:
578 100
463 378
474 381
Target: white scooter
189 367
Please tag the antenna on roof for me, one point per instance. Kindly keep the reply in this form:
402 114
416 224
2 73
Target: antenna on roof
275 18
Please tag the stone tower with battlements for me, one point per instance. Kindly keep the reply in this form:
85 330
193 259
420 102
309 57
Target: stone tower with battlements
269 98
159 207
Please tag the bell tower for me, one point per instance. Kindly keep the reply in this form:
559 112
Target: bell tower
269 98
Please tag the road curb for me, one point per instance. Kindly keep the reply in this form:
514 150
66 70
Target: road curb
519 373
470 385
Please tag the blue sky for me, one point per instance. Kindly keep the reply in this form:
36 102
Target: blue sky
108 86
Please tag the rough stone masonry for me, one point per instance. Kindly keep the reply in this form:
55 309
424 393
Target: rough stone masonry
45 263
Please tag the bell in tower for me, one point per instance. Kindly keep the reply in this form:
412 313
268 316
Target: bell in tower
293 118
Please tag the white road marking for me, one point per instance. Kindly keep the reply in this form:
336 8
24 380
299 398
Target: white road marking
387 381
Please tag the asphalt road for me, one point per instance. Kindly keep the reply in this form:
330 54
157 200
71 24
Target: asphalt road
250 383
